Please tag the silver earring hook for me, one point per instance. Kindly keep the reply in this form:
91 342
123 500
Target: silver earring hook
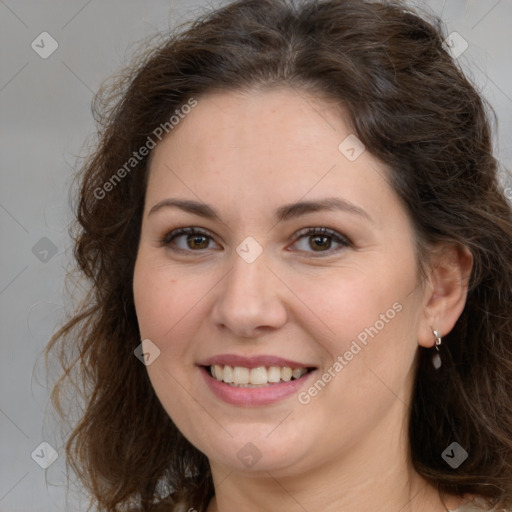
438 338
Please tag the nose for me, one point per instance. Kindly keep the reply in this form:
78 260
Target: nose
249 301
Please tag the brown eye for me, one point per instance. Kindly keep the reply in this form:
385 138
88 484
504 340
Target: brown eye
187 240
197 241
320 240
318 243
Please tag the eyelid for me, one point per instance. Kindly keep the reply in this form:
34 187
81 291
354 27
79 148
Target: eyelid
189 230
323 230
302 233
337 237
170 236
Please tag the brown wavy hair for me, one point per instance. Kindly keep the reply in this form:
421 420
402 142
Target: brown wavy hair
413 108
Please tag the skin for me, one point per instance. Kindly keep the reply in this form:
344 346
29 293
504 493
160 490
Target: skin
246 154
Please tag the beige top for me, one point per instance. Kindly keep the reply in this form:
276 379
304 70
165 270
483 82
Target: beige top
477 505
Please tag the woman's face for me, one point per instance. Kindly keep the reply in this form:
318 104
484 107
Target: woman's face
260 286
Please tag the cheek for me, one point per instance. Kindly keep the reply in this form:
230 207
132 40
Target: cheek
351 300
165 310
160 296
152 299
169 307
367 315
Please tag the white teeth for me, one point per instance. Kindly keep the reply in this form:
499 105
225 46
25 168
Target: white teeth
254 377
228 374
240 375
296 373
286 373
274 374
258 375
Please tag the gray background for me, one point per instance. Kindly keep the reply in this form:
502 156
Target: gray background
45 121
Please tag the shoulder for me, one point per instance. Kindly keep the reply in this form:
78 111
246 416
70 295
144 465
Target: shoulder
171 505
477 504
182 507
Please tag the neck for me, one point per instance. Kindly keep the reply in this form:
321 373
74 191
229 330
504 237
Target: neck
253 494
372 472
377 476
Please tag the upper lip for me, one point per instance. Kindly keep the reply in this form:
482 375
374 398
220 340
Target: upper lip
252 362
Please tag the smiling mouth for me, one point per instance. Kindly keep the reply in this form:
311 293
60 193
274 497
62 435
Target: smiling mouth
239 376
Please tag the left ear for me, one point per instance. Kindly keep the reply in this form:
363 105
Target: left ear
445 291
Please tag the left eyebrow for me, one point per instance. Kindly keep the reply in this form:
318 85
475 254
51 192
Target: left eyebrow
292 210
283 213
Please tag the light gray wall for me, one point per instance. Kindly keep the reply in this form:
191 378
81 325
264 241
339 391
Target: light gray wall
44 120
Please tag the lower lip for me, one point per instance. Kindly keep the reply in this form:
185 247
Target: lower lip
254 396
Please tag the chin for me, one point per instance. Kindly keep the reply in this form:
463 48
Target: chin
254 449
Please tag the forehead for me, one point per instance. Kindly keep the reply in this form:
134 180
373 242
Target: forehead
278 122
278 142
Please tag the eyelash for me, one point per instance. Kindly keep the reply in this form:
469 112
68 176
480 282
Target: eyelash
303 233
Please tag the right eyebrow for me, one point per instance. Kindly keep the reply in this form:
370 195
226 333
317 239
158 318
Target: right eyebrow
187 205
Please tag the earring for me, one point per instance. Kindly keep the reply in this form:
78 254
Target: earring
436 358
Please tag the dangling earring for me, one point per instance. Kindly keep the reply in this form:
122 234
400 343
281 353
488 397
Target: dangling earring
436 358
